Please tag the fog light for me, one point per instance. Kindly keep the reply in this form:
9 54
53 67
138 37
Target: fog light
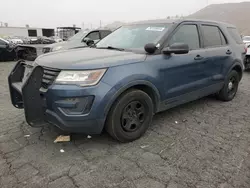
75 106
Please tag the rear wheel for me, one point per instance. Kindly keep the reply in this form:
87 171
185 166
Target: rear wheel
230 87
130 116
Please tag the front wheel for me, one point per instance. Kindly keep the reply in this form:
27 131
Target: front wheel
230 87
130 116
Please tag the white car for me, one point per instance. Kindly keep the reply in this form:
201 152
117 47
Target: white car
246 40
16 40
57 39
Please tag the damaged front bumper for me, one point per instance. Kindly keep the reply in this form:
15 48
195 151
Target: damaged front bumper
24 85
71 108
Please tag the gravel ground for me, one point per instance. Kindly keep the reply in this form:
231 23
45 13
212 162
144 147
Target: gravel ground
201 144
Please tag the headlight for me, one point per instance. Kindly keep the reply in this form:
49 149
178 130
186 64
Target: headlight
56 48
82 78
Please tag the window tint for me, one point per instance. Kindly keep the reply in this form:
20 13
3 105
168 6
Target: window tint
235 34
187 34
105 33
212 36
94 35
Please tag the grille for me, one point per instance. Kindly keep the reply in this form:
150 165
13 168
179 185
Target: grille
49 75
46 50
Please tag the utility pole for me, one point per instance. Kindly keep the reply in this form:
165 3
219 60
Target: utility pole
100 23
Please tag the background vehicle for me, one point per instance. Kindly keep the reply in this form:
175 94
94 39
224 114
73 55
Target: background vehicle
136 71
57 39
34 40
246 40
7 52
247 60
78 40
15 40
26 40
45 40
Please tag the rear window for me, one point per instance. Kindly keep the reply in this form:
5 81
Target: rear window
212 36
235 34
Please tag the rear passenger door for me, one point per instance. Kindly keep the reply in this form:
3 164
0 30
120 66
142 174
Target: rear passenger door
218 52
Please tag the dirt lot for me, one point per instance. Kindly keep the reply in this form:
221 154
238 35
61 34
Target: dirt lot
201 144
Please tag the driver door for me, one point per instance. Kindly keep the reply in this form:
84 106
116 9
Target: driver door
182 76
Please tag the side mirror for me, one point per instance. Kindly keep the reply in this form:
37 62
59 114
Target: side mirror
176 48
150 48
88 41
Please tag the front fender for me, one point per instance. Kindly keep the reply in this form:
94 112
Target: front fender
113 94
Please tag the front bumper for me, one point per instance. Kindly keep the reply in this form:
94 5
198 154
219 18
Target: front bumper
71 108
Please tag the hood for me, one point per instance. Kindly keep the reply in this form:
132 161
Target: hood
55 44
66 45
88 58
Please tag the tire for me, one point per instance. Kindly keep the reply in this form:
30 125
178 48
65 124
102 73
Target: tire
130 116
227 93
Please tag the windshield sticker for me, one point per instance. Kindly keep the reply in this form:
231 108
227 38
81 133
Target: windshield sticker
155 29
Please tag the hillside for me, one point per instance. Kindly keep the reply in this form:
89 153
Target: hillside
237 14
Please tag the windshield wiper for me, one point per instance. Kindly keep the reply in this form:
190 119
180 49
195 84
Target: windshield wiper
111 48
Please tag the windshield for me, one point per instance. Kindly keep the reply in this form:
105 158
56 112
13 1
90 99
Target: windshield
78 36
134 36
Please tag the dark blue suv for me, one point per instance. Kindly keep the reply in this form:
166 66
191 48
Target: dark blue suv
136 71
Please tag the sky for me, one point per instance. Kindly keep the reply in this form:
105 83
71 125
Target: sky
88 13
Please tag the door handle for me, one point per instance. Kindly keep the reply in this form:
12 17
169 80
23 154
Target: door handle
198 57
228 52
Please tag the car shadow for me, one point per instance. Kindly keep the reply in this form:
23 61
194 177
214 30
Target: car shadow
104 138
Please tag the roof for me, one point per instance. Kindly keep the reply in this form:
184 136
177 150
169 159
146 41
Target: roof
68 28
101 29
167 21
152 21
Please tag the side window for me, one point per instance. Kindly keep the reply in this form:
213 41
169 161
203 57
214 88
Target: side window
94 35
235 34
105 33
187 34
212 36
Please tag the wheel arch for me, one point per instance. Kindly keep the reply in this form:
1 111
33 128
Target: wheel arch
238 68
142 85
